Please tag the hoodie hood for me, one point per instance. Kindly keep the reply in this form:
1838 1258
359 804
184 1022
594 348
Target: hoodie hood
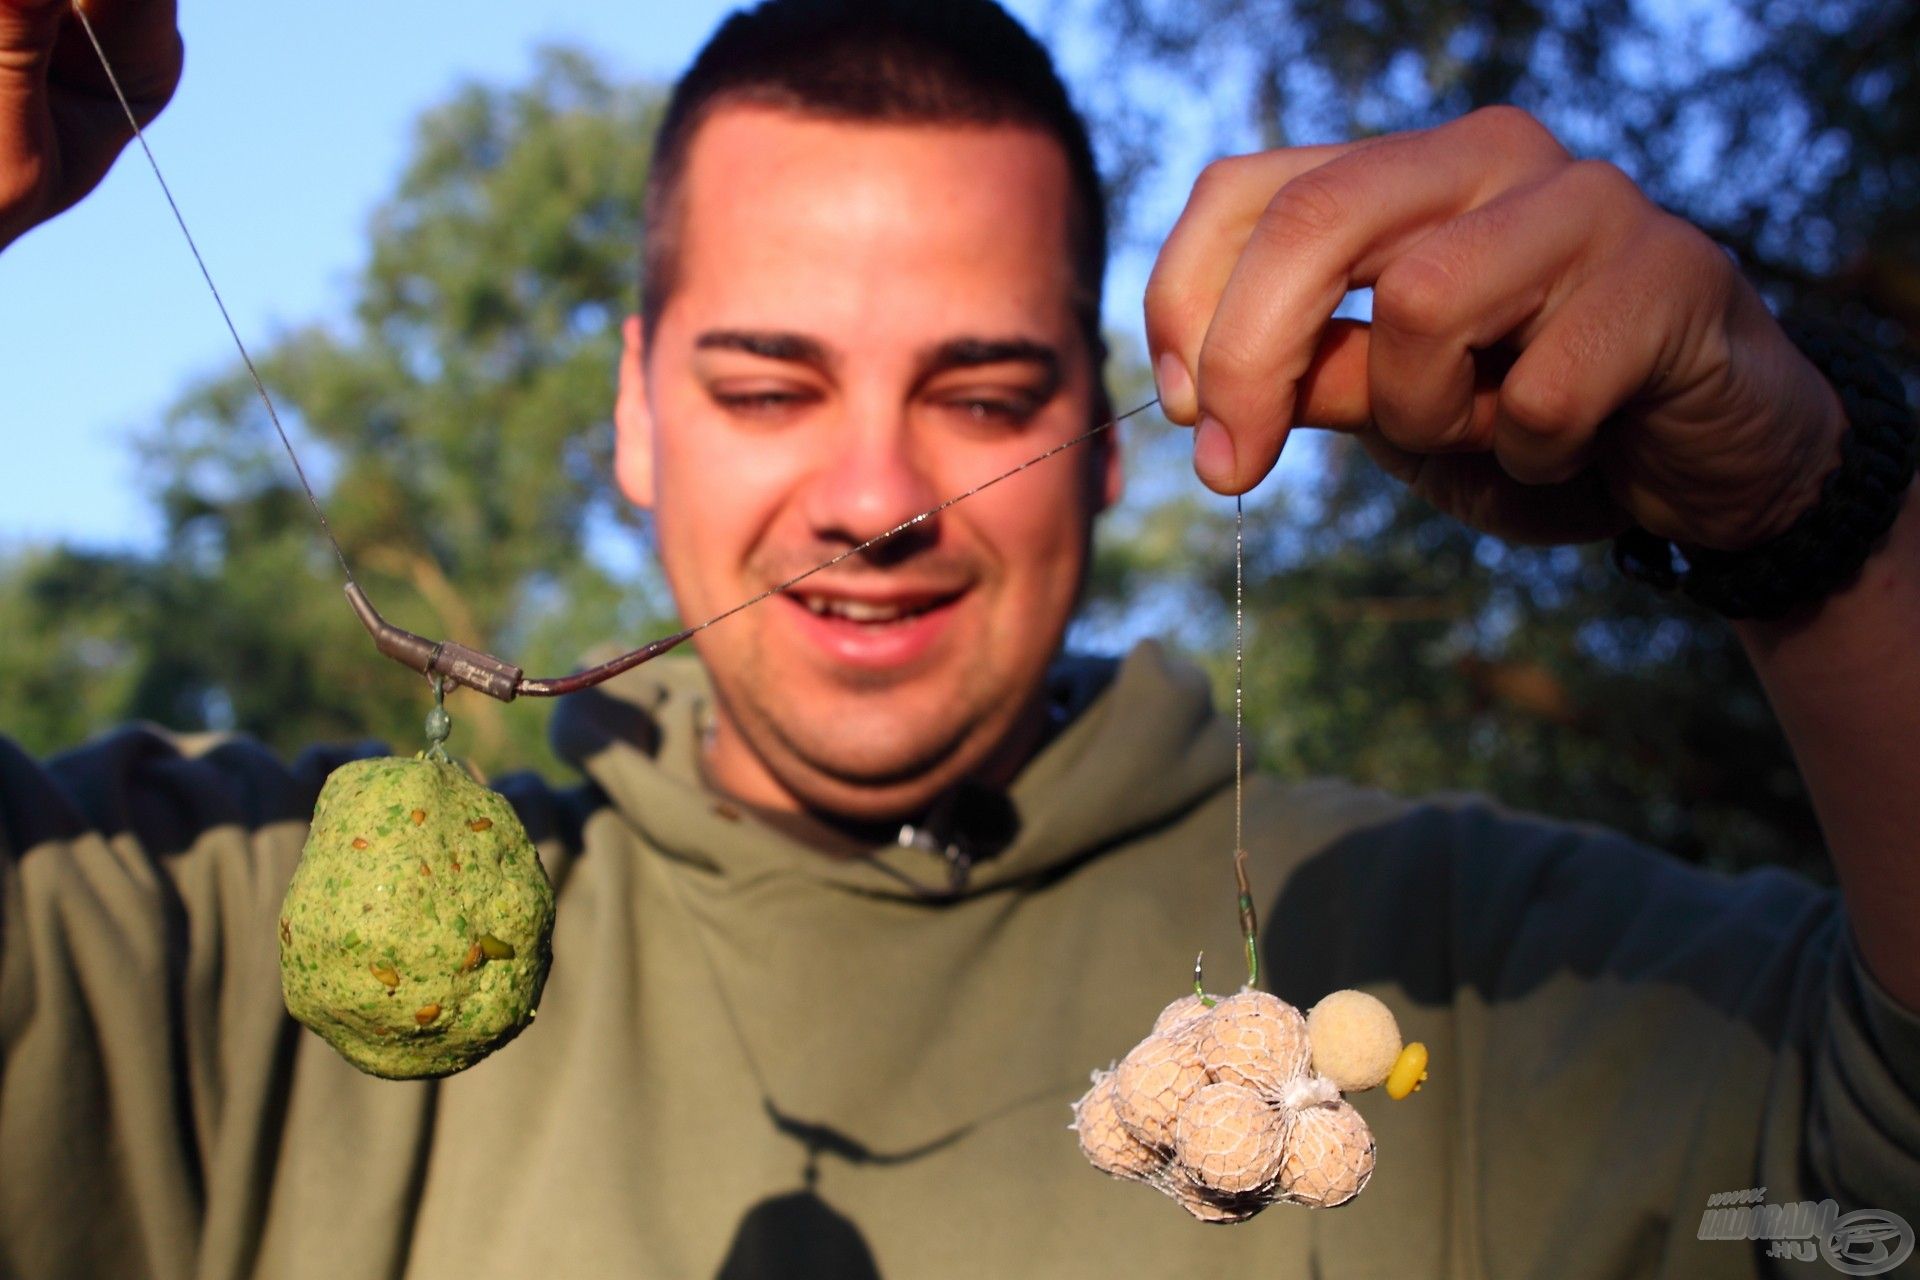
1139 745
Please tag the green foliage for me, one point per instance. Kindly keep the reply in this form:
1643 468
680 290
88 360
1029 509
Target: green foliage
458 433
1393 645
457 428
1785 130
69 664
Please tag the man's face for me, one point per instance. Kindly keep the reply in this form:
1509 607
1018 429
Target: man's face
868 319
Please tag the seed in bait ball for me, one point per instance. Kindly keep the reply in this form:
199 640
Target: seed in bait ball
1329 1156
1185 1009
1257 1040
480 824
1355 1040
360 906
1152 1082
1107 1143
1230 1139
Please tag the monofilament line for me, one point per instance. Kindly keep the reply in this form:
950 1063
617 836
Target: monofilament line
273 414
259 384
1239 669
928 514
1249 918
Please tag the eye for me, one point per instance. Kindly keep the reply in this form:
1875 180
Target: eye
1000 409
762 402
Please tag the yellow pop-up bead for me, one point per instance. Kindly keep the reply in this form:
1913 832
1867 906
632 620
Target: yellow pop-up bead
1409 1071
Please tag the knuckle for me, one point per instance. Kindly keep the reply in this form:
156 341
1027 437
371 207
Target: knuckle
1216 178
1681 249
1601 182
1311 207
1175 313
1417 296
1537 404
1230 367
1517 129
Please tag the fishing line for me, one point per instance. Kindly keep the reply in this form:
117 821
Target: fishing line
139 135
1249 919
447 660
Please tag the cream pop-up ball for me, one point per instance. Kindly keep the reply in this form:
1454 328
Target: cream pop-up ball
1230 1105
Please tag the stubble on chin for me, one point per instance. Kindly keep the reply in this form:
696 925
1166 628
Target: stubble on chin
847 744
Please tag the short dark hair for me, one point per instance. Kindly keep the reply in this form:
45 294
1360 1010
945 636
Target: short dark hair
964 62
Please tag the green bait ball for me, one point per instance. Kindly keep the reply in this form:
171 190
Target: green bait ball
416 933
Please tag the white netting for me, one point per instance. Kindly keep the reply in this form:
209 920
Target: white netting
1221 1109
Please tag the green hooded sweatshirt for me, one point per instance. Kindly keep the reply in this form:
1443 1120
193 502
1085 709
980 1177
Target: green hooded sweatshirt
758 1057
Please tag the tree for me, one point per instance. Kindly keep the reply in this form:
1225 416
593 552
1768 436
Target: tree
1391 644
1784 130
73 660
458 431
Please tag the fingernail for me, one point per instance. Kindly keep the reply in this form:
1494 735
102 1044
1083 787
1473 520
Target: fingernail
1176 388
1213 453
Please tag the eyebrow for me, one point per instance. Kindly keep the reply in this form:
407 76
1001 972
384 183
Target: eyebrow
772 345
956 353
967 353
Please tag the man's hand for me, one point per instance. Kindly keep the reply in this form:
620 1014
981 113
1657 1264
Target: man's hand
60 125
1551 356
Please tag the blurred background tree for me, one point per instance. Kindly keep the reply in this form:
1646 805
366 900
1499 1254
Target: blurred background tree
1393 645
457 430
457 427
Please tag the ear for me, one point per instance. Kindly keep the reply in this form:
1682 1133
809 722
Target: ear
633 419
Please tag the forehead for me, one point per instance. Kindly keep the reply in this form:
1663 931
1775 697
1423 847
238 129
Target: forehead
834 224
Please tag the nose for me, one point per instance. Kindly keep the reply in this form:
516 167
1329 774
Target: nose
872 477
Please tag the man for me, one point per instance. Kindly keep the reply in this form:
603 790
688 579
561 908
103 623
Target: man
775 1043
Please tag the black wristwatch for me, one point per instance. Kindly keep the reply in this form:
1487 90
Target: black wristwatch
1824 549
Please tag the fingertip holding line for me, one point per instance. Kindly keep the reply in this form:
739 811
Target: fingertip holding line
1213 457
1177 400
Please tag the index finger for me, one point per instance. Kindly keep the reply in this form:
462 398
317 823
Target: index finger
1328 230
1192 268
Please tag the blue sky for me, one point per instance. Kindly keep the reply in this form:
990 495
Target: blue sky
289 126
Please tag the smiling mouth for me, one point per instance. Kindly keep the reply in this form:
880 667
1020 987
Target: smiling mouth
870 613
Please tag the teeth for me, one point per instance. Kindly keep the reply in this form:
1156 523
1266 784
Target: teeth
858 610
862 611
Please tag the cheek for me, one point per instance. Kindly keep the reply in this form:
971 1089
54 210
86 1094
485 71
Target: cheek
1038 533
715 498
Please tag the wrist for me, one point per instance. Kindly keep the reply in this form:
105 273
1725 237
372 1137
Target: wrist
1823 425
1827 538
